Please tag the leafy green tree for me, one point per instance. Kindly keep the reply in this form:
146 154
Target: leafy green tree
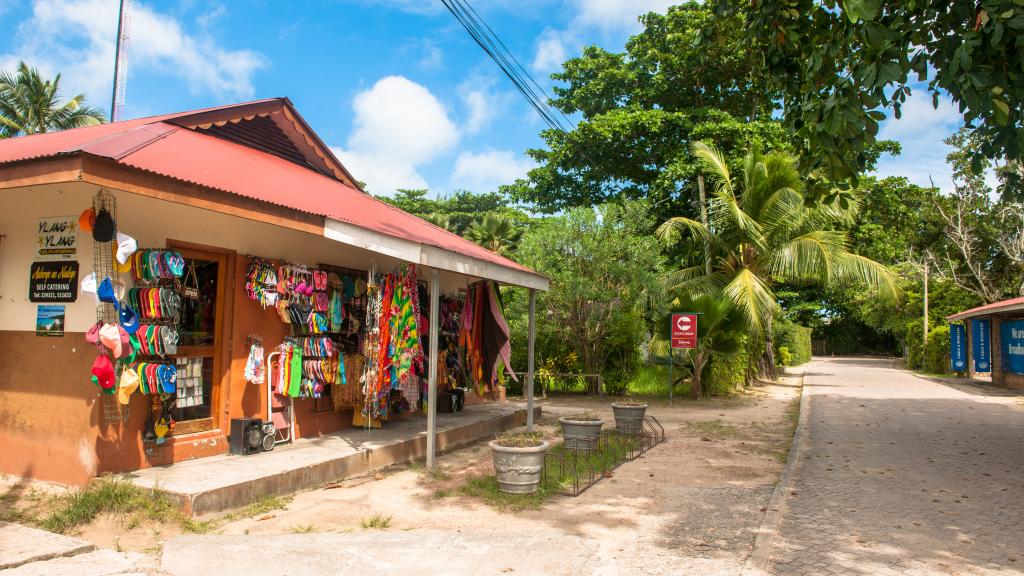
640 110
459 210
841 65
601 262
761 232
496 233
31 105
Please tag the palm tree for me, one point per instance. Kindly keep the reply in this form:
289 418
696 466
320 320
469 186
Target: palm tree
31 105
496 233
720 332
760 232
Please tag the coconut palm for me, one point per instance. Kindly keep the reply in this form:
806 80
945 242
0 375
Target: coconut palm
31 105
496 233
760 232
720 332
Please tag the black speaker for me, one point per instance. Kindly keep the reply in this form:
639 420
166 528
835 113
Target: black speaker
246 436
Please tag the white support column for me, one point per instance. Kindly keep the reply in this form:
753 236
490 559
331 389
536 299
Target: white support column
435 298
530 361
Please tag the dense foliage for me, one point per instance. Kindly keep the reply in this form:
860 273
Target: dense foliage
840 66
795 339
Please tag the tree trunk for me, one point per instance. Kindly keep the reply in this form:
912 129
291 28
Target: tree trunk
767 362
696 384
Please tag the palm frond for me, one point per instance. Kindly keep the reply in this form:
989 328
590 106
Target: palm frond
851 267
807 257
754 298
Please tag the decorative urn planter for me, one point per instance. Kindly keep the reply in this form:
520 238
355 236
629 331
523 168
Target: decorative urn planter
518 468
581 433
629 417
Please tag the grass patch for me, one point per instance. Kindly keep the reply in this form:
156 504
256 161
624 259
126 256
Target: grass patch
376 522
559 475
713 429
262 505
302 529
114 496
792 419
652 381
436 475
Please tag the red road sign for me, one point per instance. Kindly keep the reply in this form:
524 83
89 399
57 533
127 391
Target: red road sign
684 331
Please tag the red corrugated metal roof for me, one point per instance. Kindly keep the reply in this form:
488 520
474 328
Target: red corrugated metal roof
156 146
1011 305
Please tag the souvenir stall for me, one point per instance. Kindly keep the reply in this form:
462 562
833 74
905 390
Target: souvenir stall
177 285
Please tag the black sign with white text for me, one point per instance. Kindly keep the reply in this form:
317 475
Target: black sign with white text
53 282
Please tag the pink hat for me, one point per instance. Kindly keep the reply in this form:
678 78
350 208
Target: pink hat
110 336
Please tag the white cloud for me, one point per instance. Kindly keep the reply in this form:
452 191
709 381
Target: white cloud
615 14
551 51
398 126
485 171
76 38
921 131
481 102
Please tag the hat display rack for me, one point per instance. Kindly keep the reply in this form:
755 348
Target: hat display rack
103 255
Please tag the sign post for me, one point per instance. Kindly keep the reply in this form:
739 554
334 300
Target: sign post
684 337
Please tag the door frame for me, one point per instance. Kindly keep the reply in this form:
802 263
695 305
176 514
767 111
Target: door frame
221 352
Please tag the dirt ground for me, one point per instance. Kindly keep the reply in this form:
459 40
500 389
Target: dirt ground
693 501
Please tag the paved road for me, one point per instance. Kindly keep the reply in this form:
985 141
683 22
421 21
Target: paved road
902 475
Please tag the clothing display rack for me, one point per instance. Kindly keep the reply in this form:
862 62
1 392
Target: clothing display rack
280 409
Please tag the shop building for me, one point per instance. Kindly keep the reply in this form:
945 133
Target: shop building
236 226
988 341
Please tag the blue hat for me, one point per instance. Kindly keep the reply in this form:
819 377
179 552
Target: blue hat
129 320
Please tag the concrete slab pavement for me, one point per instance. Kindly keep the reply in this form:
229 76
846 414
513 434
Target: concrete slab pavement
902 475
21 545
96 563
437 553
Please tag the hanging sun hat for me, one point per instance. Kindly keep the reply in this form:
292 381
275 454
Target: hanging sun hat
87 219
129 383
89 284
104 228
105 291
103 373
110 336
126 246
93 335
129 320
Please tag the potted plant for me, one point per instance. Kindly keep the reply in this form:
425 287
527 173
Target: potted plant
581 431
518 461
629 416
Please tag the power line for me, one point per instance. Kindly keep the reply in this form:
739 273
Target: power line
492 45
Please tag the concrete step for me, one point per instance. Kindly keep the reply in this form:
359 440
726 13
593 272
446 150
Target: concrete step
21 545
96 563
223 482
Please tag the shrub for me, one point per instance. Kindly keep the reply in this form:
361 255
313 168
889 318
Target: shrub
784 358
795 338
727 373
936 351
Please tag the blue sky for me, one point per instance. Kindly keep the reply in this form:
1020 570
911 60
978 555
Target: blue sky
396 87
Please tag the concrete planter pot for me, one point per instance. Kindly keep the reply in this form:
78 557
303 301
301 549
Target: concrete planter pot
629 419
582 435
518 470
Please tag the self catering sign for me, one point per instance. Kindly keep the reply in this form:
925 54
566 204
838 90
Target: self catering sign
957 353
57 237
53 282
981 347
684 331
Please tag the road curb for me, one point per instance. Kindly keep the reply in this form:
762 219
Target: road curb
757 561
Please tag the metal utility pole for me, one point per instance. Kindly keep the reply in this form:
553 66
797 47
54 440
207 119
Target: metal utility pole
124 20
925 306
